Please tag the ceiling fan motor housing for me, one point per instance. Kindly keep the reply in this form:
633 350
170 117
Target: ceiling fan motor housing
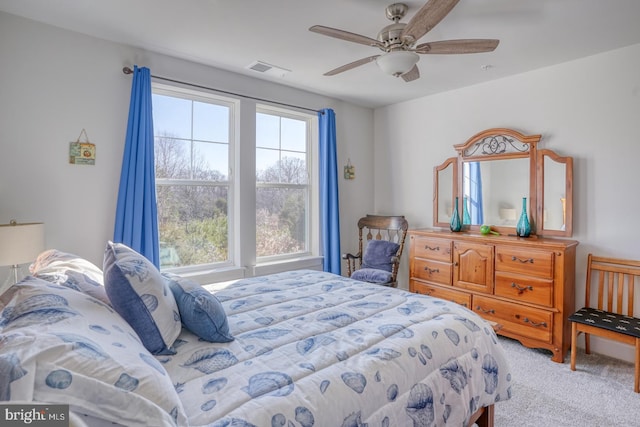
389 36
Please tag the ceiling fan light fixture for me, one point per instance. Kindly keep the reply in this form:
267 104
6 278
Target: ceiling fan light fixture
397 62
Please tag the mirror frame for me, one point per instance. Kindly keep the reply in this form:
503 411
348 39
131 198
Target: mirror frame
501 144
568 204
453 162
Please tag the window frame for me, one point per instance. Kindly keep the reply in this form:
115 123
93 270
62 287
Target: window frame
233 105
309 160
239 262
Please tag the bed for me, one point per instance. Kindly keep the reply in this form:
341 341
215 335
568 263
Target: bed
300 348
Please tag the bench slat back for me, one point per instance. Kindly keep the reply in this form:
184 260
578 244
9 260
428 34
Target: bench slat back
616 280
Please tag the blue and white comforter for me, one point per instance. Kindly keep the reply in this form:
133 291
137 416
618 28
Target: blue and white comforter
317 349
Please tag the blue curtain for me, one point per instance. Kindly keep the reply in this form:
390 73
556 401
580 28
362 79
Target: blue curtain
475 196
136 212
329 212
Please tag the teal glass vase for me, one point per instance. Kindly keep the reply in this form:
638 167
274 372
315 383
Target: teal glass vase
523 228
456 223
466 217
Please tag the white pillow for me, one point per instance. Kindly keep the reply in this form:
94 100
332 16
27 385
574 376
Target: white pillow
140 294
62 347
71 271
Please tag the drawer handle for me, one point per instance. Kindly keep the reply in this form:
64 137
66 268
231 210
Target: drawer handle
437 248
431 270
515 258
521 289
537 325
491 311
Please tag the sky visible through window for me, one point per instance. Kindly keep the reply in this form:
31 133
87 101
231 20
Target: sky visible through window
204 123
208 126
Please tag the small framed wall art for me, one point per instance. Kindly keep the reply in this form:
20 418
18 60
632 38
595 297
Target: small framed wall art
82 152
349 170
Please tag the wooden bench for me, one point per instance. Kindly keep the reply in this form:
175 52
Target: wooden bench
612 316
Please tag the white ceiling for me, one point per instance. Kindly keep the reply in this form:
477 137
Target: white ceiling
232 34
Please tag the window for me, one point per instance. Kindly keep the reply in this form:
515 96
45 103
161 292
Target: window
282 184
192 147
196 152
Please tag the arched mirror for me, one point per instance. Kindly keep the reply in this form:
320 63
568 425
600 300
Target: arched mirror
494 171
555 184
444 183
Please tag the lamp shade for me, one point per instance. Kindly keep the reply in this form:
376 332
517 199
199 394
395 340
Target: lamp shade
20 243
397 62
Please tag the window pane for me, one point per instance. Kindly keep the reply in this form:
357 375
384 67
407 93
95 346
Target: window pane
192 221
280 221
294 134
171 116
211 161
192 149
267 131
172 157
267 165
293 168
210 122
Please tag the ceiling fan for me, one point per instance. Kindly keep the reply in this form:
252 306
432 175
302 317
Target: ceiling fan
398 40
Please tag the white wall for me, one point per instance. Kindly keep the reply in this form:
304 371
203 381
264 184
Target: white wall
588 109
54 83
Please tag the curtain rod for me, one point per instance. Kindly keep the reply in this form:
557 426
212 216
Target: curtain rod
128 70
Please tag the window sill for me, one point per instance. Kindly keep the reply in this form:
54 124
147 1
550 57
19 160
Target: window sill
310 262
226 275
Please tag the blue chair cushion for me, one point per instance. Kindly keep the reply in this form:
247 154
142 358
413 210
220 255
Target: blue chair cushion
378 253
372 275
201 312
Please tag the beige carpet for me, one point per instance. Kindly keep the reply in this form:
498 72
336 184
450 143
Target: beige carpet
548 394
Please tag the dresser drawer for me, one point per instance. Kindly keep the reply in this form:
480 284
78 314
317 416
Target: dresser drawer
433 271
524 288
432 248
516 319
525 261
461 298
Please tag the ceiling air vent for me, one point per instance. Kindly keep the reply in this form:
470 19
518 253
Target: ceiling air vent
264 68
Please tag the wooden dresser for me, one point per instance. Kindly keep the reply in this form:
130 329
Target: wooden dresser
524 284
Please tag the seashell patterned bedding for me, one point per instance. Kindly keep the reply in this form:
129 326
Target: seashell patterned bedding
317 349
309 349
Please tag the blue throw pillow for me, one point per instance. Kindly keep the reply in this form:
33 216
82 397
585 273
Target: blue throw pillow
378 254
200 311
140 294
372 275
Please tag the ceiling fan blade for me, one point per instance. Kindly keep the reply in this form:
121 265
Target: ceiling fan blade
411 75
345 35
351 65
426 18
458 46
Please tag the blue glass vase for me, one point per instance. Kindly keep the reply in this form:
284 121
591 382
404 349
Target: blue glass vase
523 228
456 223
466 217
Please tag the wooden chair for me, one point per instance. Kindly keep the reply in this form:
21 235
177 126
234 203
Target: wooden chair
391 229
612 316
